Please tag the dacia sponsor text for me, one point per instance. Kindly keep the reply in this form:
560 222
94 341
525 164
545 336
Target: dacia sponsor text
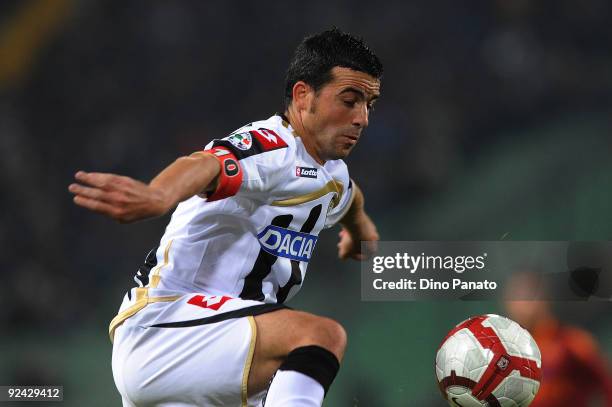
287 243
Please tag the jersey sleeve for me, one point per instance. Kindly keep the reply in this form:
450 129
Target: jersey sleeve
346 199
250 162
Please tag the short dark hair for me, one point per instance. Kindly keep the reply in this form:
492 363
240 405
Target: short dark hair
317 54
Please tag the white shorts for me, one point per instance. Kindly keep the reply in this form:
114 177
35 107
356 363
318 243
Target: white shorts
181 354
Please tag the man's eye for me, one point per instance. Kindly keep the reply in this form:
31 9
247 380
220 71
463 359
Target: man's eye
349 103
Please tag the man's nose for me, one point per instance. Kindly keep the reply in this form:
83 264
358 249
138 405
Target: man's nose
361 116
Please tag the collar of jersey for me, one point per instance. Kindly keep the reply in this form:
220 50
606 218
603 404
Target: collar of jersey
285 123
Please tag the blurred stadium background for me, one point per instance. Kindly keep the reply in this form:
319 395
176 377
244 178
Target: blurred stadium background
495 120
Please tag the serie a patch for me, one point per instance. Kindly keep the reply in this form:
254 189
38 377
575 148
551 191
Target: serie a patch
249 143
306 172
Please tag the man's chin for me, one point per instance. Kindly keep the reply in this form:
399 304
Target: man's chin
340 155
344 151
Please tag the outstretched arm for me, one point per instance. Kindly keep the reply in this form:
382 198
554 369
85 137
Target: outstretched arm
127 200
356 227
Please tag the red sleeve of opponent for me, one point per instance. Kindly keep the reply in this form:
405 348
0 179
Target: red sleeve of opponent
230 176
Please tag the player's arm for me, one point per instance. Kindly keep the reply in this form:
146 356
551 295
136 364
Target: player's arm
357 227
127 200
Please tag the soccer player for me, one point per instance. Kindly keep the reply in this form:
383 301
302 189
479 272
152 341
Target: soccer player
574 371
207 325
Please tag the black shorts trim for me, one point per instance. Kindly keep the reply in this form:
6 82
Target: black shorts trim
239 313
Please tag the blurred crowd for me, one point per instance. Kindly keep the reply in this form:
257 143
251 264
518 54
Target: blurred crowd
126 87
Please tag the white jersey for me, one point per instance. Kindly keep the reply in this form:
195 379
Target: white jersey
253 241
188 333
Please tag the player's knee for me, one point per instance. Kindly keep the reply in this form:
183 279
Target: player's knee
330 335
340 338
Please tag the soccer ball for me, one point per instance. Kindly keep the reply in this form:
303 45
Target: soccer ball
488 361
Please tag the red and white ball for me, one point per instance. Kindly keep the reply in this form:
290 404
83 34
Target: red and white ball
489 360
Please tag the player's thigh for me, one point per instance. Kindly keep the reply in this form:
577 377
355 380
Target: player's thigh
197 365
279 332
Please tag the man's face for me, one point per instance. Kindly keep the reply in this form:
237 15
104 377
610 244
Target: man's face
338 113
524 294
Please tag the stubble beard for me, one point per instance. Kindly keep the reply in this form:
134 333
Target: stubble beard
330 151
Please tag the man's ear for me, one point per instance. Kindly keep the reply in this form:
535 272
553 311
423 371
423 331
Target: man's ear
302 92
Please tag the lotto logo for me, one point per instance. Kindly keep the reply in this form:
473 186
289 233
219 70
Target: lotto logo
287 243
268 139
213 302
306 172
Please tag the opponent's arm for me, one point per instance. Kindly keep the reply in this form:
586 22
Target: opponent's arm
356 227
127 200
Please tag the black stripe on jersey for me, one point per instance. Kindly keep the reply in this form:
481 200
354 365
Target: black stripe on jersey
239 313
142 275
240 154
255 148
252 289
296 272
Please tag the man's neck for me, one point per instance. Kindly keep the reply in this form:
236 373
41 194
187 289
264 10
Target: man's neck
296 123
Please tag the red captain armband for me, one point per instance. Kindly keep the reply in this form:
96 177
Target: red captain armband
230 176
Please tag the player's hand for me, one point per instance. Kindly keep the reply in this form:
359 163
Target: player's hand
121 198
350 240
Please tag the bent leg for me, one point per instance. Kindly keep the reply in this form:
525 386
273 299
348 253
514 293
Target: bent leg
199 365
281 332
